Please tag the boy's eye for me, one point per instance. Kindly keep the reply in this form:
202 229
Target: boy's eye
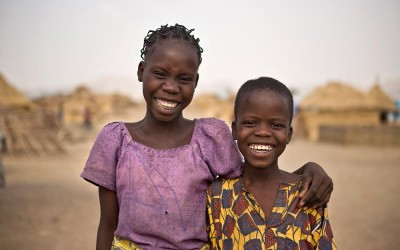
249 123
277 125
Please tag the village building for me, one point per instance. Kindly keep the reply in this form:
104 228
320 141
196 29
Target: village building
27 131
340 113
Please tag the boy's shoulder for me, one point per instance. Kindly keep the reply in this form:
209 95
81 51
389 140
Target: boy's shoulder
220 185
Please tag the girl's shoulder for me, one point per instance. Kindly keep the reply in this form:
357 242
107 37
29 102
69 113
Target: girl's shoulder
115 131
211 125
211 121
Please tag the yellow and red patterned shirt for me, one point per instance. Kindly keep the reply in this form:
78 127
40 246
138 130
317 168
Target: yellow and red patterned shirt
236 221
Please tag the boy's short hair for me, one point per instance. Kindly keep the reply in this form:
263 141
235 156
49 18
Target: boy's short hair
264 83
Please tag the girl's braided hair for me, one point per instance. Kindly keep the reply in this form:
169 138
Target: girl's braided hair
174 32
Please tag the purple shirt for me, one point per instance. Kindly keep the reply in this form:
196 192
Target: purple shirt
162 192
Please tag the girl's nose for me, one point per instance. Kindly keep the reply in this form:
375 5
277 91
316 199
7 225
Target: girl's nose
171 86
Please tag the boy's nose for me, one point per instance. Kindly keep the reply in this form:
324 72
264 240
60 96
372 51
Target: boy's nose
171 86
263 130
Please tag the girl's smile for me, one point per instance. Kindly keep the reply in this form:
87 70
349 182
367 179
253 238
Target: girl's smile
169 76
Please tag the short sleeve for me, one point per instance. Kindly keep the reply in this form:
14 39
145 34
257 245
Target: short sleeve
322 231
100 168
219 149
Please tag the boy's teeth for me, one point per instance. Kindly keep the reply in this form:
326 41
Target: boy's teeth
166 104
260 147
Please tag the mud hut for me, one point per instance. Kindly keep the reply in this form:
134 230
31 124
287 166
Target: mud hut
211 105
11 98
26 129
381 101
338 110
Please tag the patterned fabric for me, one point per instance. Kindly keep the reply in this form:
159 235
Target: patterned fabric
236 221
121 244
162 192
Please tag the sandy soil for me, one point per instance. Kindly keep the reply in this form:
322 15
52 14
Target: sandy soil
46 205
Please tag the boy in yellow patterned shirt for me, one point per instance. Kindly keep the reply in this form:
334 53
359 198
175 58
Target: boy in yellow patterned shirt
259 209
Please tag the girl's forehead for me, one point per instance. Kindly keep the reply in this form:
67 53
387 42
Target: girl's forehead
171 43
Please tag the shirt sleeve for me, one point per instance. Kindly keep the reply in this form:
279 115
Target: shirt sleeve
100 168
322 232
220 151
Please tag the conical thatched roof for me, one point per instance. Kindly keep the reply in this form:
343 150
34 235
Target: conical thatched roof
380 99
10 97
336 96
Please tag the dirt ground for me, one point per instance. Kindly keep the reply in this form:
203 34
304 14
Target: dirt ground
46 205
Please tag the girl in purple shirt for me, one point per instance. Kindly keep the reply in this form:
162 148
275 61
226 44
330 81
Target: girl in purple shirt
153 174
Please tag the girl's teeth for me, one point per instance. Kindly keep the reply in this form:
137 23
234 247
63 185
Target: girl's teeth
261 147
166 104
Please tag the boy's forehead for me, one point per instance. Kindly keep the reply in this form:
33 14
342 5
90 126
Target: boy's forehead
261 97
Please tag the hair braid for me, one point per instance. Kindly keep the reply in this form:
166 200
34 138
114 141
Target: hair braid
176 31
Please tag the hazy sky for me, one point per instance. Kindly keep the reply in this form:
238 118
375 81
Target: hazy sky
50 45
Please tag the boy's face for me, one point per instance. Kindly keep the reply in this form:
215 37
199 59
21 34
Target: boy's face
169 76
262 128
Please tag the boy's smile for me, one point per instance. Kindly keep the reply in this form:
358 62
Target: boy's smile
262 128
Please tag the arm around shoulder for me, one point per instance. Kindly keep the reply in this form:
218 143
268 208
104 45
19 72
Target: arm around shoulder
317 186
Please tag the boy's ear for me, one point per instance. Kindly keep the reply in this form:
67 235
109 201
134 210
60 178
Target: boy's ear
140 71
290 132
233 127
197 80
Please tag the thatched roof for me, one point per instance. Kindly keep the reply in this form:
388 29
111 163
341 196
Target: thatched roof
10 97
339 96
380 98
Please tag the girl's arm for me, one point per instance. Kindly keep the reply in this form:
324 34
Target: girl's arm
317 185
108 218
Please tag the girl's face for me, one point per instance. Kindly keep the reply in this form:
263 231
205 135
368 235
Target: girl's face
169 76
262 128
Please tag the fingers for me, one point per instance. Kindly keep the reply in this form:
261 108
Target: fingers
304 193
319 193
304 185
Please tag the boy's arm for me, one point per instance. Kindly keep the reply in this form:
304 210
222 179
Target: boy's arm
108 218
316 187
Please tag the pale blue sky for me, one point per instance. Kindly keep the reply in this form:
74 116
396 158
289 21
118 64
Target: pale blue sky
51 45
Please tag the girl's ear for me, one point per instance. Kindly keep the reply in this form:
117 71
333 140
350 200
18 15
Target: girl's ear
140 71
197 80
290 132
233 127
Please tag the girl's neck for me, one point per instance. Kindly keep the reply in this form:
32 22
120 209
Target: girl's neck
154 126
162 135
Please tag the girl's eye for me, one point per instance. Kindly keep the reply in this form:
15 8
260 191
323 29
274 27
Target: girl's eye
159 74
185 79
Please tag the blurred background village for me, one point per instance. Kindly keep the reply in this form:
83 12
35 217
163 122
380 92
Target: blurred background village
335 112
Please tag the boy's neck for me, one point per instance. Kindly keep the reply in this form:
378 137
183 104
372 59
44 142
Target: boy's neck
269 175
